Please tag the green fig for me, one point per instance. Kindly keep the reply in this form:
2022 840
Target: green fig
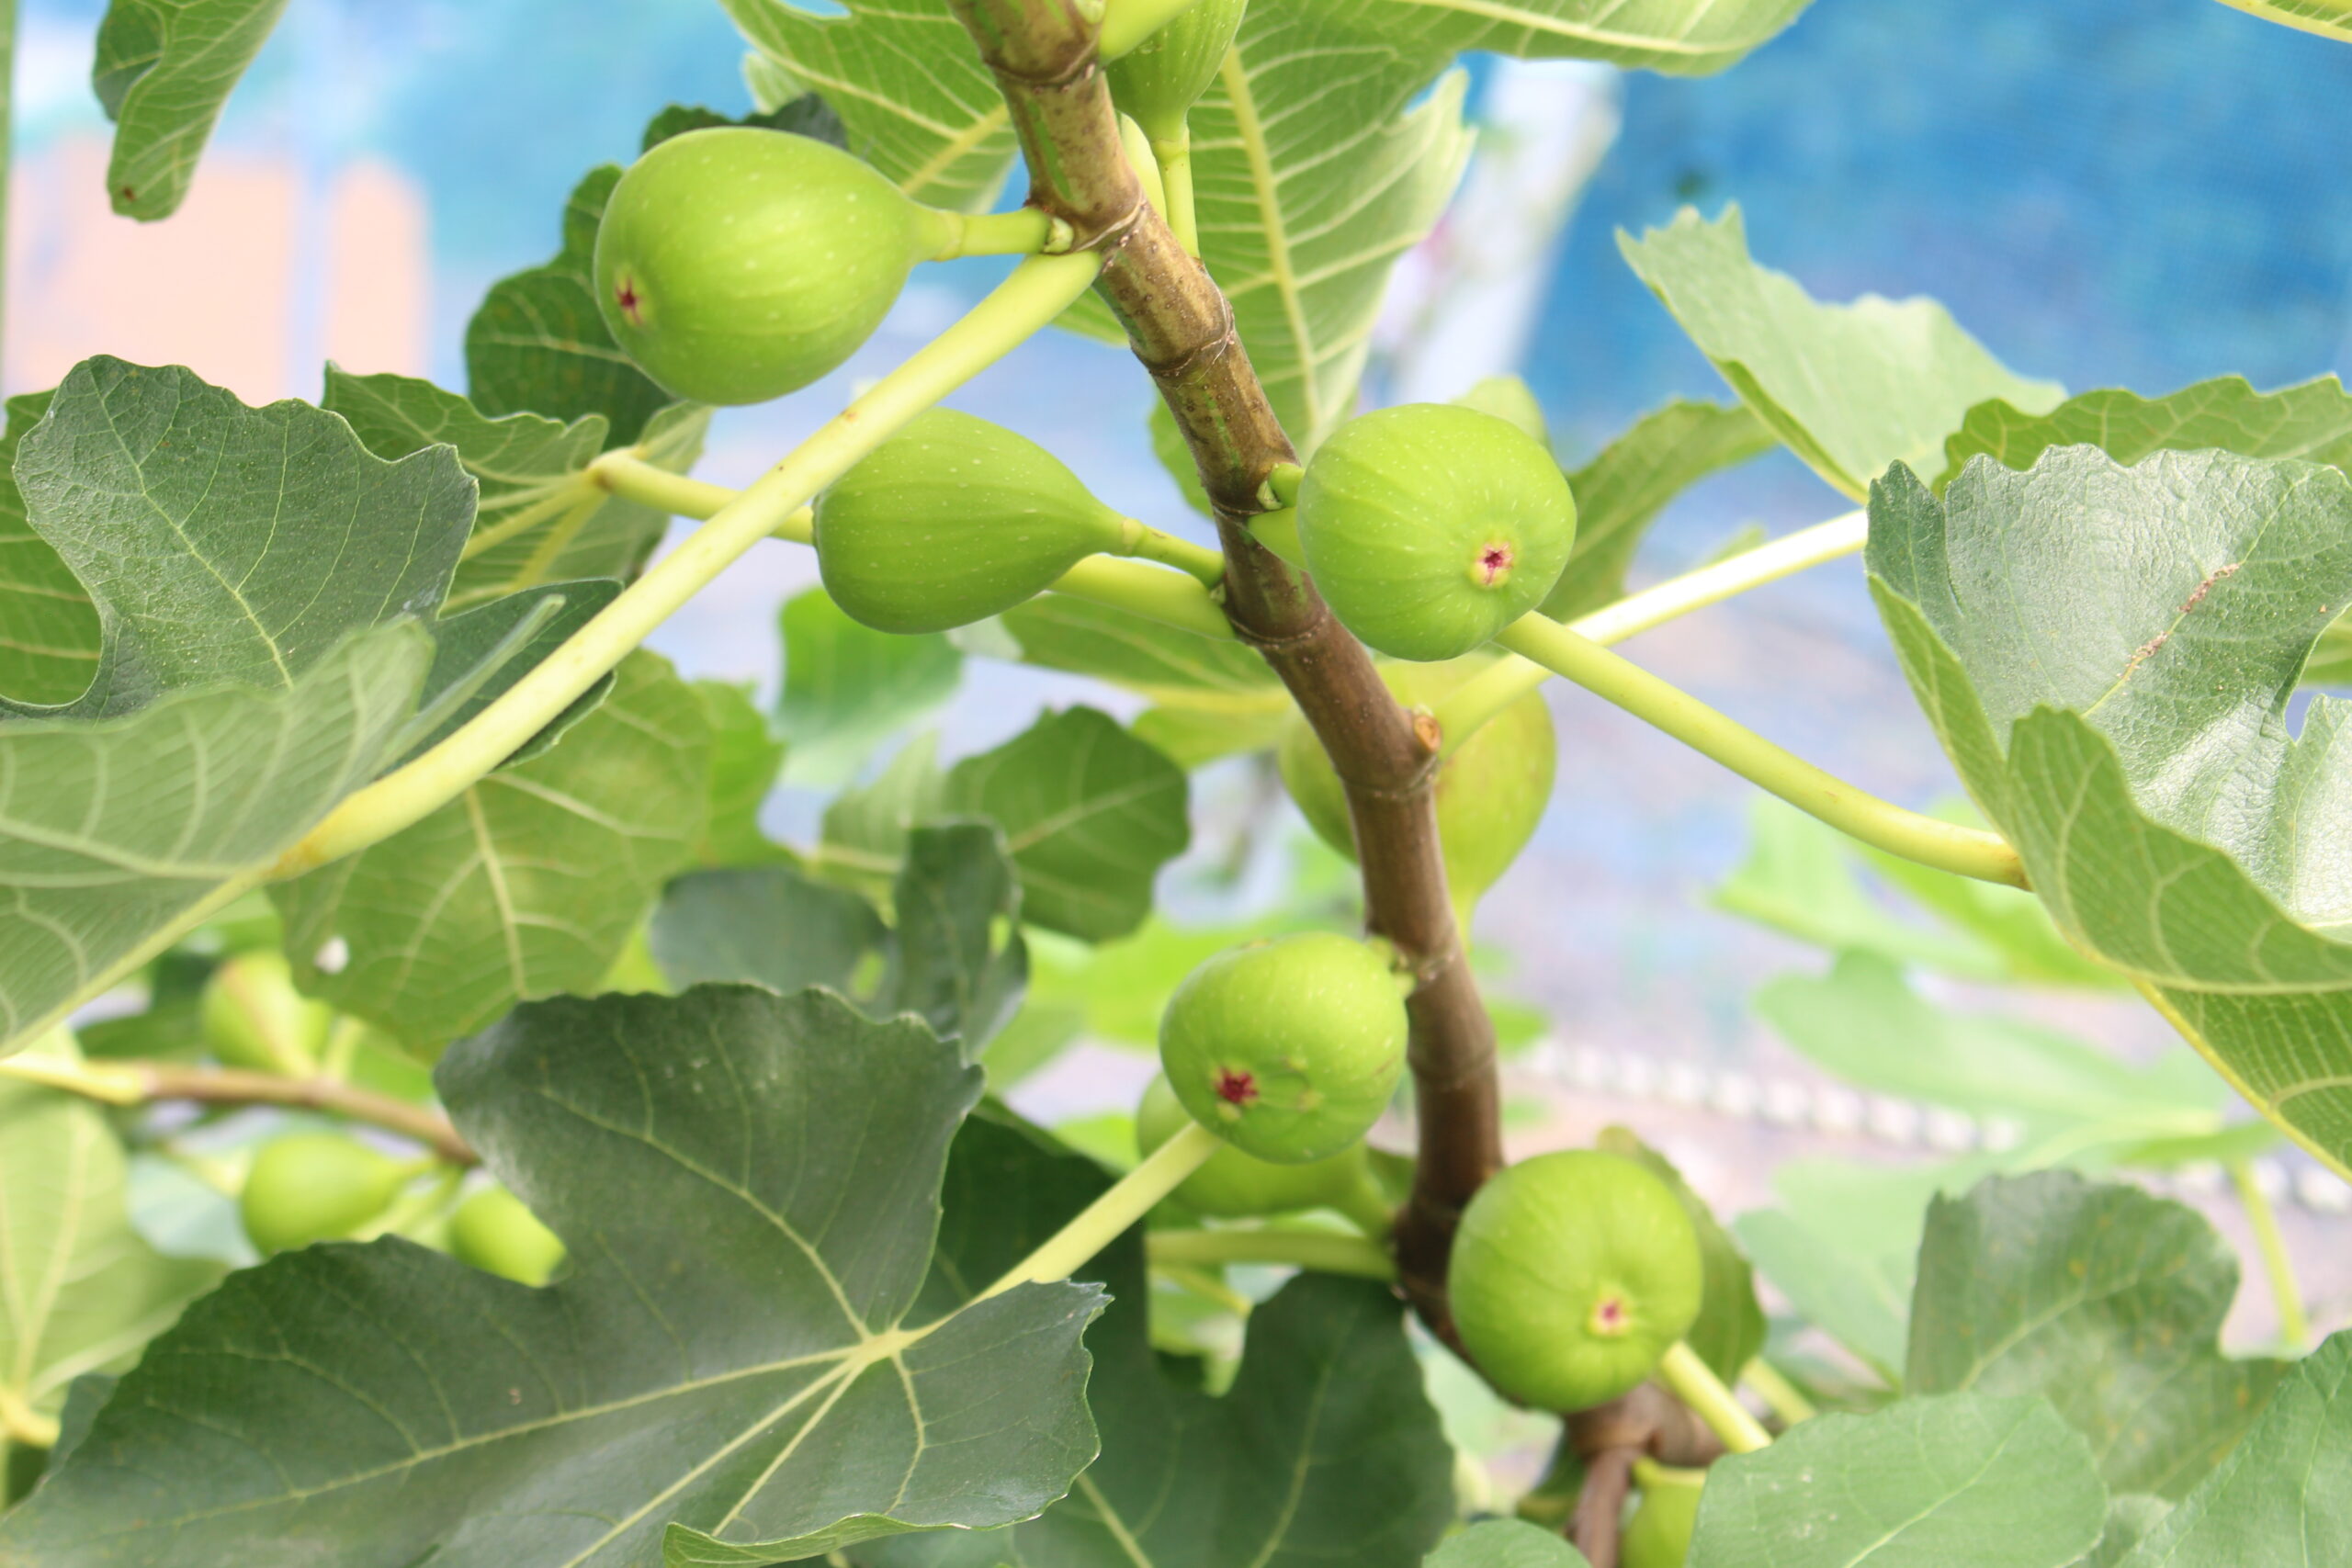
953 519
1659 1533
1157 81
1491 793
1289 1048
736 264
494 1231
1429 527
254 1017
307 1187
1234 1185
1572 1275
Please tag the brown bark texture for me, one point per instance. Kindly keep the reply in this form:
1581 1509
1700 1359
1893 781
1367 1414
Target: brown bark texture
1181 328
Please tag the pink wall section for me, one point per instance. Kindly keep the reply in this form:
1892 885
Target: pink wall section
244 284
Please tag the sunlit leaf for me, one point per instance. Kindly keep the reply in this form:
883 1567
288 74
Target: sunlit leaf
1848 388
163 70
2329 18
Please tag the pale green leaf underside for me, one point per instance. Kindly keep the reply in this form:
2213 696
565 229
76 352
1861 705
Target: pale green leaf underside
529 883
748 1186
1848 388
2105 1301
2312 420
80 1291
1962 1481
847 688
1506 1543
1060 632
2329 18
2284 1493
163 70
2107 653
1311 177
111 829
907 85
1683 37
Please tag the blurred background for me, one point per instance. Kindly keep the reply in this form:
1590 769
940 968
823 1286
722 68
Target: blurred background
2108 192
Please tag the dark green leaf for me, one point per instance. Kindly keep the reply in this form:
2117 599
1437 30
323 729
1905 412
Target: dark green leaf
110 831
1326 1450
768 924
163 70
958 960
1730 1327
538 345
2107 654
2283 1495
168 499
805 116
49 629
1963 1481
1089 815
1620 494
1505 1543
748 1185
1848 388
745 757
529 883
848 687
479 654
2106 1301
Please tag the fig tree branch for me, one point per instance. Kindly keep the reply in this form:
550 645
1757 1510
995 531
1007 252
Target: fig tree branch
1970 851
1043 53
140 1083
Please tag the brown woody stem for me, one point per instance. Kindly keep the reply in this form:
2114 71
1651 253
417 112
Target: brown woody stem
1181 328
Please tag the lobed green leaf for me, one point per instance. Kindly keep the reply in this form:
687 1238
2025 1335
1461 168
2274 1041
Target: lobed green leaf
1849 387
164 69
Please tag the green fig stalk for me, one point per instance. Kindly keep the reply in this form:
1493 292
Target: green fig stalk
1157 83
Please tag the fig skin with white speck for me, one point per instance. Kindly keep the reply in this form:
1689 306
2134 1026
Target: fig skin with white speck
1572 1274
736 264
950 520
1430 527
1290 1048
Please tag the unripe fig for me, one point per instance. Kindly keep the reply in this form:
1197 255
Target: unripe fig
254 1017
492 1231
1289 1048
1491 794
736 264
1234 1185
307 1187
1572 1274
1430 527
1157 81
950 520
1659 1534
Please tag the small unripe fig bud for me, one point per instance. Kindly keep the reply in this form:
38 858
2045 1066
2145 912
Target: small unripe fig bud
254 1017
492 1231
1234 1185
1429 527
736 264
1289 1048
307 1187
1491 794
1157 81
950 520
1572 1274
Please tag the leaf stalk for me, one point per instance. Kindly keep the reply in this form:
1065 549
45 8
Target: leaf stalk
1106 1219
1695 1383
